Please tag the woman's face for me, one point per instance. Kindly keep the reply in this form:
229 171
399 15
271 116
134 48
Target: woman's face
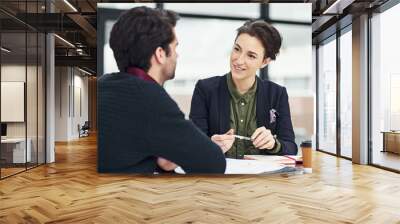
247 57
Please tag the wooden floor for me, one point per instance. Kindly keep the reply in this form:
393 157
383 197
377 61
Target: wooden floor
71 191
5 172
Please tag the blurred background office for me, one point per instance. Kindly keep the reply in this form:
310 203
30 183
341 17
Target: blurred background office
206 35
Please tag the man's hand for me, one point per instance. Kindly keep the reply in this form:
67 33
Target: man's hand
263 139
166 164
224 141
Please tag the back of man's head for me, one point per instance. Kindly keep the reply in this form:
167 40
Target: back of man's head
137 34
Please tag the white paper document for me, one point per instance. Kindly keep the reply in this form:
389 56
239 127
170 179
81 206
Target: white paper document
243 166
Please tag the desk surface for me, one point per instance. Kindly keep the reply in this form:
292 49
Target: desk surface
391 132
72 191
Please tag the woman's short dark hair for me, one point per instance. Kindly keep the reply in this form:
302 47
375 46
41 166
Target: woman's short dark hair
266 33
137 34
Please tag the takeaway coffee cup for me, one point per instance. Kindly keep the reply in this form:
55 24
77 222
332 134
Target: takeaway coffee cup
307 156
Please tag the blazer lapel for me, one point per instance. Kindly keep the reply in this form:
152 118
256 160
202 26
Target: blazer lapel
263 105
224 106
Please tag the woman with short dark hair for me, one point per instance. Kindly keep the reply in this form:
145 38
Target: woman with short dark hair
240 103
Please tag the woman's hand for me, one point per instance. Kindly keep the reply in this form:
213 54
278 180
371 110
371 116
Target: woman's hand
224 141
166 164
263 139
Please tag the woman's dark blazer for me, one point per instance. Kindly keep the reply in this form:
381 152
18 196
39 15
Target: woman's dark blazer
210 110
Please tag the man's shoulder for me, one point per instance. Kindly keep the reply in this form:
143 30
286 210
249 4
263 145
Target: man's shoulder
129 85
111 76
126 79
117 76
116 79
144 92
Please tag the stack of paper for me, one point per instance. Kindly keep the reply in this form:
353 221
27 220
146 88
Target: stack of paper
243 166
284 160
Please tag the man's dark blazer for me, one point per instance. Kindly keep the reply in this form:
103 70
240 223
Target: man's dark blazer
138 122
210 110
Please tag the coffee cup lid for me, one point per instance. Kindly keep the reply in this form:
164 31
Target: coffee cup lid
306 144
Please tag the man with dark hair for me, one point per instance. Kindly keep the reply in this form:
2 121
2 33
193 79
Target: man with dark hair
141 129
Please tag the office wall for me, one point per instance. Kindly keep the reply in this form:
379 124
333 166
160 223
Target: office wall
33 126
80 101
61 103
12 73
14 102
15 72
71 102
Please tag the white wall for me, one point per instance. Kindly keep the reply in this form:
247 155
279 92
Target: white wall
61 103
33 126
15 73
71 102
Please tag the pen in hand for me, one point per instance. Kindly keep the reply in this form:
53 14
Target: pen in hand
246 138
242 137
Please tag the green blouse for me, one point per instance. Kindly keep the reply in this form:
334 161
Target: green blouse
243 120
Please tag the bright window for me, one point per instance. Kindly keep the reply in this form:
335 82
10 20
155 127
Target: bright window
346 94
327 96
385 83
